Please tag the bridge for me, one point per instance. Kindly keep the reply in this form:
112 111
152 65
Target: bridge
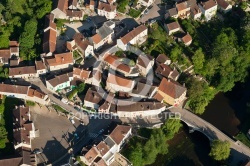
195 123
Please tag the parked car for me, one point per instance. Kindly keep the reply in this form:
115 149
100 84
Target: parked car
101 131
66 101
72 120
146 11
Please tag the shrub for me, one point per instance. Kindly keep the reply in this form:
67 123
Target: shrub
30 103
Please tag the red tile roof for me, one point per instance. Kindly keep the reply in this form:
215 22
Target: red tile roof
22 70
119 133
187 38
114 79
96 38
49 41
208 4
114 61
132 34
60 59
223 4
173 25
171 88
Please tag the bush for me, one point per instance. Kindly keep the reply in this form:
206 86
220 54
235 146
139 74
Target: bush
30 103
58 108
72 94
134 13
122 5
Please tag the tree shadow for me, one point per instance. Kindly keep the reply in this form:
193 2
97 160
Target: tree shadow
180 161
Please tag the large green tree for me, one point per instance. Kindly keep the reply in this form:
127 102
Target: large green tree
171 127
220 150
198 60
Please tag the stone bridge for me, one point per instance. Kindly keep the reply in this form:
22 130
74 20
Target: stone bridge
240 151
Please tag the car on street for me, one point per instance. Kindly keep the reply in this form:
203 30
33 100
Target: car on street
101 131
66 101
146 11
72 120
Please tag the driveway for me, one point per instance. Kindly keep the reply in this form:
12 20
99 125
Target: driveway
56 134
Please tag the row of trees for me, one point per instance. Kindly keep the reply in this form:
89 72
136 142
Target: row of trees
21 22
3 132
144 152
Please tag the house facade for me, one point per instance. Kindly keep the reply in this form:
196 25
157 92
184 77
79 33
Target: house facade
137 36
172 92
59 61
23 72
106 9
172 27
25 93
145 63
59 82
208 8
116 83
105 151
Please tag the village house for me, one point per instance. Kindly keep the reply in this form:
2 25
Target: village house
105 107
224 6
208 8
40 68
116 83
140 109
23 128
135 37
59 61
172 27
145 3
162 58
145 63
103 36
116 64
81 44
171 13
67 9
93 98
24 92
171 92
6 55
82 74
186 39
59 82
107 9
183 10
50 34
195 12
105 151
143 90
23 72
164 70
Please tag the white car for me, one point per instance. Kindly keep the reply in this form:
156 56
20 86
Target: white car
72 120
64 100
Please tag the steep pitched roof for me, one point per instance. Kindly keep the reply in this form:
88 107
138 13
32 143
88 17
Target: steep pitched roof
62 5
57 80
173 25
144 61
60 59
114 61
187 38
81 73
22 70
162 58
164 70
223 4
40 65
171 88
49 41
74 13
14 88
119 133
93 96
181 6
96 38
132 34
106 7
208 4
91 154
37 93
114 79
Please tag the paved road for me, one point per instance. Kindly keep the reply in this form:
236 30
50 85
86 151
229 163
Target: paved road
83 116
241 151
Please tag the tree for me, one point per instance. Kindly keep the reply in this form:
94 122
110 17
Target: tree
28 35
220 150
43 8
175 53
135 156
81 88
171 127
198 60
